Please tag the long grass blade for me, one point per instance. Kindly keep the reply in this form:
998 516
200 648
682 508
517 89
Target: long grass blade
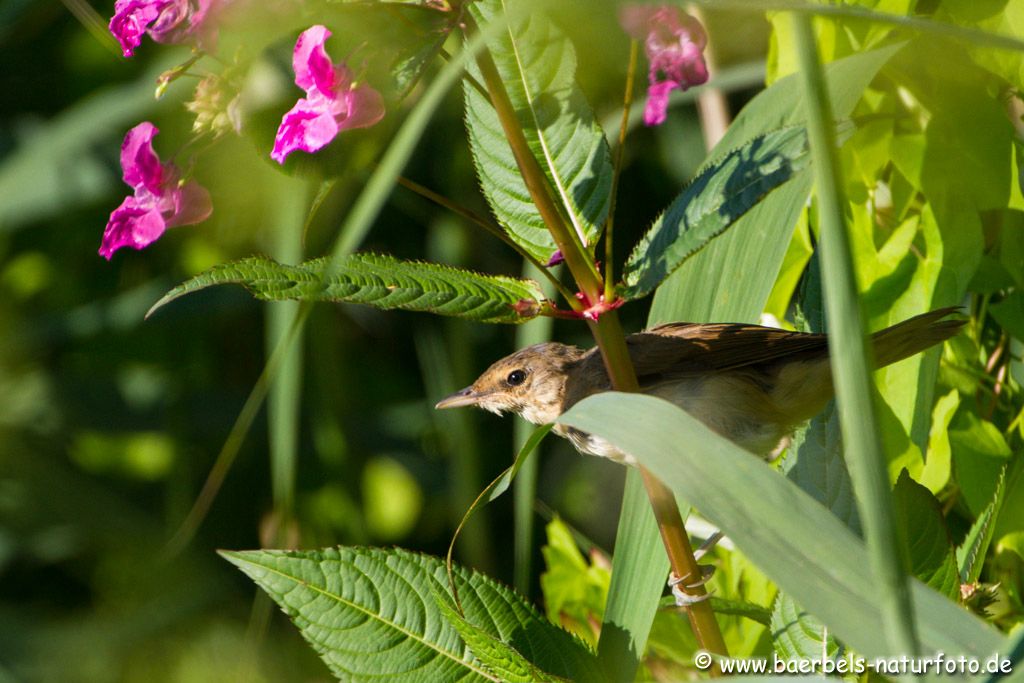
284 398
850 356
524 489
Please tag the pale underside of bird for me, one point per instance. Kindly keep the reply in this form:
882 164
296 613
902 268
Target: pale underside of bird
751 384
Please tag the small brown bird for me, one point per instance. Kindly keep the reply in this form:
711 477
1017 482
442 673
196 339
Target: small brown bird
749 383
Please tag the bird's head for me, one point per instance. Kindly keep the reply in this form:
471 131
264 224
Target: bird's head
530 382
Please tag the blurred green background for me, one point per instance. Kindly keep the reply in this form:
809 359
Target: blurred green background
109 423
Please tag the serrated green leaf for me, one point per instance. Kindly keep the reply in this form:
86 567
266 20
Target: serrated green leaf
744 497
970 556
799 635
720 194
931 550
538 66
375 280
370 613
820 469
501 659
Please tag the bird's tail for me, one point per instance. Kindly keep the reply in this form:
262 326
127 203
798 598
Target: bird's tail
914 335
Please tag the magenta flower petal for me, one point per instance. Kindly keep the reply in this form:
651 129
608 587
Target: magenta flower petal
305 127
333 102
312 65
656 110
674 43
192 205
159 200
139 163
166 21
365 107
132 224
131 19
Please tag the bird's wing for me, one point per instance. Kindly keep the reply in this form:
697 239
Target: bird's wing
686 347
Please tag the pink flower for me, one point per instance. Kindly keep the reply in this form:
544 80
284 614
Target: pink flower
674 42
160 200
556 258
166 21
333 102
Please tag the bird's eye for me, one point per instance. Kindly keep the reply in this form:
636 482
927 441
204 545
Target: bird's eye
516 377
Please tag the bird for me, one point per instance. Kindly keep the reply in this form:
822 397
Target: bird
751 384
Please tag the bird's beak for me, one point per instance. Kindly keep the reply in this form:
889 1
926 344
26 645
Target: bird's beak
465 397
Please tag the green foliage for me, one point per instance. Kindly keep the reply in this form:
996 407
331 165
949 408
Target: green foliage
575 590
737 493
929 546
376 280
110 422
970 556
538 65
371 612
730 279
717 197
798 635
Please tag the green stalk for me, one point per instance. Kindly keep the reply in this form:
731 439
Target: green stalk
284 396
524 487
851 359
610 338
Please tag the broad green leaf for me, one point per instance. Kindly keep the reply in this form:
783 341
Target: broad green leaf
970 556
799 635
744 497
1009 313
376 280
574 589
501 659
721 193
979 454
538 66
1002 17
928 543
371 613
782 104
938 465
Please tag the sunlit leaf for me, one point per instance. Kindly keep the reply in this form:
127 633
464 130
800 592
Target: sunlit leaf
372 613
928 543
538 67
501 659
723 192
970 556
738 493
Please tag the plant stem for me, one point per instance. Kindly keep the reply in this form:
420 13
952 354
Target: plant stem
850 357
610 338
